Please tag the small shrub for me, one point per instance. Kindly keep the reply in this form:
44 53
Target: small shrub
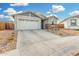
10 39
13 33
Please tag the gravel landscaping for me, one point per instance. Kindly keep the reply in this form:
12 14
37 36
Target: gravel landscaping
7 40
64 32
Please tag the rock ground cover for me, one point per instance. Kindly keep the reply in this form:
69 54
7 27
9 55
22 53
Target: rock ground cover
64 32
7 40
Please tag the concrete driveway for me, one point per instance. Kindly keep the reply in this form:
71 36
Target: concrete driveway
34 36
31 42
43 43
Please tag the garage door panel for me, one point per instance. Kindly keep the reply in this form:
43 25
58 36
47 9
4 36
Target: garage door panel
29 25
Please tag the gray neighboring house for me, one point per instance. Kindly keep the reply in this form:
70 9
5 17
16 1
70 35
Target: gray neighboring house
51 20
71 22
29 20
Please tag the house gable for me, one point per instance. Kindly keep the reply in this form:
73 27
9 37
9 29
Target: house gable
52 20
68 18
31 14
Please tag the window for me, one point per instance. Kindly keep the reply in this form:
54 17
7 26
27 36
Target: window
73 22
52 23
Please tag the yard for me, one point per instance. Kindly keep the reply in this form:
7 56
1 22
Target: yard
44 43
70 32
7 40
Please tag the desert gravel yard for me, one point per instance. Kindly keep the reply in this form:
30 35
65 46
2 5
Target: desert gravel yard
43 43
65 32
7 40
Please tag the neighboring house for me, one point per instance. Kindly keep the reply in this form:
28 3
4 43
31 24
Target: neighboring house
71 22
29 20
51 20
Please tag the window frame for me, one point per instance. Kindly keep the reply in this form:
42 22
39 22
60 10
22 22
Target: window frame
73 22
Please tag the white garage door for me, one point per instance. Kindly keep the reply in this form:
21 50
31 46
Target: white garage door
28 24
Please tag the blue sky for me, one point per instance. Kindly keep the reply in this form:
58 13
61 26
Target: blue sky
61 10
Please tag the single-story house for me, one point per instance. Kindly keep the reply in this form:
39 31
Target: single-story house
71 22
29 20
51 20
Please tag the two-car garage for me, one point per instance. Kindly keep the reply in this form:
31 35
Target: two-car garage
24 22
28 23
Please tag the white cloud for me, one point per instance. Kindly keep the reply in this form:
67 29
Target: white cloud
48 12
0 8
10 11
52 15
1 16
18 4
57 8
19 11
75 12
9 17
